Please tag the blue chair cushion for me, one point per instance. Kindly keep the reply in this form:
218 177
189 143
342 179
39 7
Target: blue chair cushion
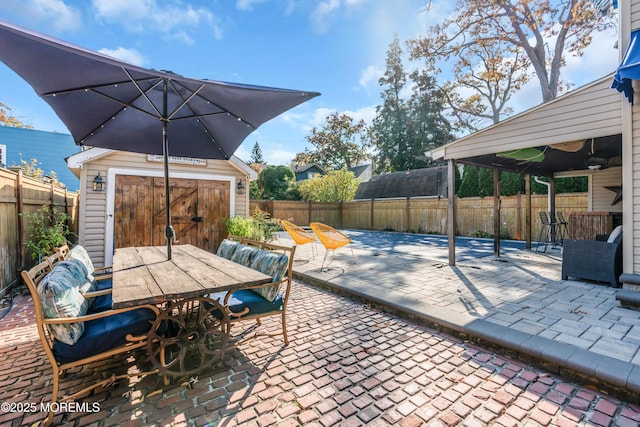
100 304
104 334
227 248
246 298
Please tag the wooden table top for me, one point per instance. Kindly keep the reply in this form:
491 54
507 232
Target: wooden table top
143 275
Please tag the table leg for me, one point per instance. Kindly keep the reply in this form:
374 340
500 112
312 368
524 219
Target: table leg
188 336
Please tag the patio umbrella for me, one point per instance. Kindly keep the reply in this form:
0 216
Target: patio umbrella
108 103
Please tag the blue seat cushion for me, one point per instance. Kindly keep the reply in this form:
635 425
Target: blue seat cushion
103 284
104 334
100 304
246 298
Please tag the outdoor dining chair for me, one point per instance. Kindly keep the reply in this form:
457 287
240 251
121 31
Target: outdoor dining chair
331 239
300 235
77 328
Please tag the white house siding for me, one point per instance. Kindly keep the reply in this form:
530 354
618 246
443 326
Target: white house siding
635 12
92 227
601 198
589 112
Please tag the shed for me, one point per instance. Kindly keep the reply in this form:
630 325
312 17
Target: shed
412 183
130 209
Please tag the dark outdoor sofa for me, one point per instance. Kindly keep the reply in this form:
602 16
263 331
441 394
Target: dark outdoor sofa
598 260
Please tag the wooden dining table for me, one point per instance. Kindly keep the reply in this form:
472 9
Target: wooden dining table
192 330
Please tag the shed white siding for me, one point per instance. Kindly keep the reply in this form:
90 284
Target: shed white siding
93 226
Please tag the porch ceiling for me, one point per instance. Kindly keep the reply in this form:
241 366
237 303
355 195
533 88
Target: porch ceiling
600 153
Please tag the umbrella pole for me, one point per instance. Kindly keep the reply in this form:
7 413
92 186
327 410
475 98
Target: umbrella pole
169 233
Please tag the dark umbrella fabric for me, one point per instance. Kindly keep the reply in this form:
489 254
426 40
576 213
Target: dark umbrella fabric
111 104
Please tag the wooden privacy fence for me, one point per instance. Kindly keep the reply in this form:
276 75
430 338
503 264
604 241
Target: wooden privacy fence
20 194
424 214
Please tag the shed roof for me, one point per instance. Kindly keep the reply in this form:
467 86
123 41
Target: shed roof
413 183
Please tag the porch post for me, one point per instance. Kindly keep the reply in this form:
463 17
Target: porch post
496 212
451 210
527 211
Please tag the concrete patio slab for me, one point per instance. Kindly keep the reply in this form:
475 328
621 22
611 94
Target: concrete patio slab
579 327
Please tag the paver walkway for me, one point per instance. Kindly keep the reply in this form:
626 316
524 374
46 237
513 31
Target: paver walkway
517 301
348 364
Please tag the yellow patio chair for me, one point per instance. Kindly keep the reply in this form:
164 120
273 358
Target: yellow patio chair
300 235
331 239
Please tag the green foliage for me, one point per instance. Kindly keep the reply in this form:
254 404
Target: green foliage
256 154
274 182
469 184
32 170
47 229
335 186
260 226
340 143
8 119
403 130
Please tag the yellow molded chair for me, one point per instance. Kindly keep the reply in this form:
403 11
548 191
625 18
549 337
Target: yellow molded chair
330 238
300 235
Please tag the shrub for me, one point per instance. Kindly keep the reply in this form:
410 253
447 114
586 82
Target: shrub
47 230
260 226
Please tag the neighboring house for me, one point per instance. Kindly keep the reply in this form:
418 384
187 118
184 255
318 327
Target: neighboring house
130 209
308 171
362 173
413 183
49 148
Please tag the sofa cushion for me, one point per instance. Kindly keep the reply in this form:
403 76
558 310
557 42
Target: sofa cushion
272 264
615 235
244 255
80 253
227 248
61 297
244 298
104 334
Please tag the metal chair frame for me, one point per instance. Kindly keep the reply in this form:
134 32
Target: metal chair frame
331 239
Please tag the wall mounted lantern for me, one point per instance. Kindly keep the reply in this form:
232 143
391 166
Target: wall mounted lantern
98 183
240 187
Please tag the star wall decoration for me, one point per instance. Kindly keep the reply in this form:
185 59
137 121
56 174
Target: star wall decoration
618 190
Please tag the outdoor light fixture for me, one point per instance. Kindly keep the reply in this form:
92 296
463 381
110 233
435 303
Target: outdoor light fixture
240 187
98 183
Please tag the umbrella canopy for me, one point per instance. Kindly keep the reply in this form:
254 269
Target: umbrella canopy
108 103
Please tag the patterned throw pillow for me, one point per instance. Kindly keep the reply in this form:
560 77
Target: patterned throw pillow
274 265
227 248
60 295
79 253
244 255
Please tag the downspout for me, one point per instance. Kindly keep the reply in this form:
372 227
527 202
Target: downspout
537 179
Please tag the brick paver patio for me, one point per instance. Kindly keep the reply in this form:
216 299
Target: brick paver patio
348 364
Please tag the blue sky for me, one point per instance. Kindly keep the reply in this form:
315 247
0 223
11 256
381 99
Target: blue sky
336 47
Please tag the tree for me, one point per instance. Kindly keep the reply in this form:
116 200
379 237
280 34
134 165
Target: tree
256 154
335 186
390 123
494 42
469 183
340 143
8 119
275 181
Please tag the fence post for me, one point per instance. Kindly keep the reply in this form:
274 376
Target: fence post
309 212
19 198
518 235
527 212
371 216
407 217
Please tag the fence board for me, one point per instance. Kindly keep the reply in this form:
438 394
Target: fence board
425 214
34 194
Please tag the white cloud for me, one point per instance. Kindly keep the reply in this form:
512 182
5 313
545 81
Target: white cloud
322 13
55 13
173 19
247 5
370 76
131 56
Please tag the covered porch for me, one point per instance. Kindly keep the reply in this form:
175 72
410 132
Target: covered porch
577 134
